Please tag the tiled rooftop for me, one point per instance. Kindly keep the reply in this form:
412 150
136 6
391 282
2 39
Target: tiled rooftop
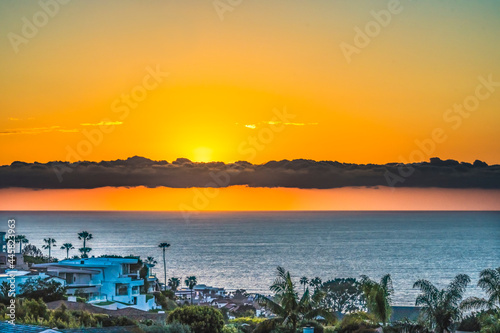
5 327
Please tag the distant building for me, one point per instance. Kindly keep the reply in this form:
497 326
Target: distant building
201 293
17 258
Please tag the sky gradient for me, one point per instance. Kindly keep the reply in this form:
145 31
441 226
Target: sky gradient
266 80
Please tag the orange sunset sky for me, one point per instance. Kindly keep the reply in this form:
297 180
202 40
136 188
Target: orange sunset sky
167 79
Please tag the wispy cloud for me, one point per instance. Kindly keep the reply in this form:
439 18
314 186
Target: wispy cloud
254 126
33 130
36 130
288 124
73 130
18 119
48 129
103 123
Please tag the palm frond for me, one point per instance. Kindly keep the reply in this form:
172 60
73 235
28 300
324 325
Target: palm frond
475 303
386 283
270 304
489 281
426 287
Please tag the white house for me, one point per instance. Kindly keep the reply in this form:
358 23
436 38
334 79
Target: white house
113 283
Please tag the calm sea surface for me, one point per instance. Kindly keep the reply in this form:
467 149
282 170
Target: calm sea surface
242 250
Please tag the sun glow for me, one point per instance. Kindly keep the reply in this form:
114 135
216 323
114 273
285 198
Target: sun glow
202 154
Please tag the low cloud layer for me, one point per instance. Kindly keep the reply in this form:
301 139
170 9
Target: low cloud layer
306 174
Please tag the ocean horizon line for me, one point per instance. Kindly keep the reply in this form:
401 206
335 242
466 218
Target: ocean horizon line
255 211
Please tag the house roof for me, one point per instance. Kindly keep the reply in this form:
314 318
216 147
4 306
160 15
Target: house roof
119 329
65 269
89 262
5 327
127 312
15 273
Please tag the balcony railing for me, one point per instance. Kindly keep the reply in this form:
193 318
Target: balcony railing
98 298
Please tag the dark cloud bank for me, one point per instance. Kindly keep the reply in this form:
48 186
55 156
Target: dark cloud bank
182 173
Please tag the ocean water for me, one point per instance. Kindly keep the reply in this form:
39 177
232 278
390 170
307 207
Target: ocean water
242 249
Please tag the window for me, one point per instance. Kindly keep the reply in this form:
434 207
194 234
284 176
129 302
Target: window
121 289
125 269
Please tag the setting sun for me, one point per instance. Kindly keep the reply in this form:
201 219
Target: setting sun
202 154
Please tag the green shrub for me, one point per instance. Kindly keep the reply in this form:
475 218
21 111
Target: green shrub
35 312
470 323
247 320
37 308
38 288
231 328
490 322
171 328
246 324
177 328
405 325
201 319
169 293
358 321
267 326
61 314
160 299
123 321
329 329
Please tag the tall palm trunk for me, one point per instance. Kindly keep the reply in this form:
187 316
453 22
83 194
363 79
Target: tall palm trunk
164 269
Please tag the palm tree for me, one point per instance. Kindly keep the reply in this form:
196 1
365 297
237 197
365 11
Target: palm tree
489 281
67 247
174 283
441 308
21 239
287 305
85 236
4 289
49 243
378 296
316 283
164 246
190 282
304 281
84 251
151 262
